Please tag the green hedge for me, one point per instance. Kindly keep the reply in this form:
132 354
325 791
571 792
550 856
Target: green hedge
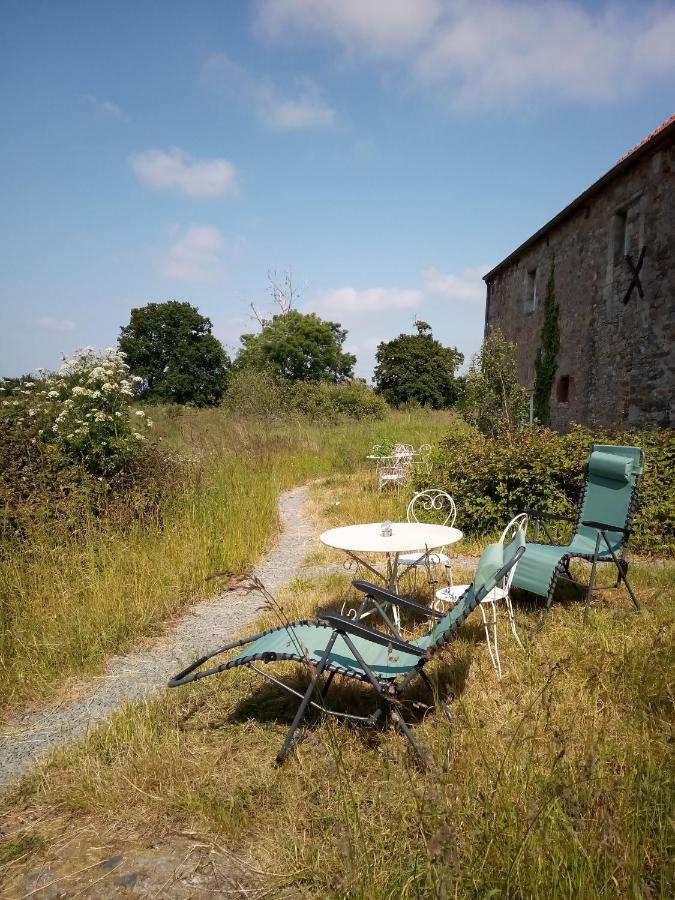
492 479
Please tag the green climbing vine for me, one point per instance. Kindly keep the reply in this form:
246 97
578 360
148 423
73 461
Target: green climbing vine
546 363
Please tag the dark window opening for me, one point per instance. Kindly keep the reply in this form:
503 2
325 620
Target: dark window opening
626 229
563 389
531 291
619 223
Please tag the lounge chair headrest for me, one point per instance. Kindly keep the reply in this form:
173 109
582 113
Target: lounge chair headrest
607 465
491 561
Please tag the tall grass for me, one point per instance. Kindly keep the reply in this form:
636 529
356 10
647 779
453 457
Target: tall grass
554 783
70 599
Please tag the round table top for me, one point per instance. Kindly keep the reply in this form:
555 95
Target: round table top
405 537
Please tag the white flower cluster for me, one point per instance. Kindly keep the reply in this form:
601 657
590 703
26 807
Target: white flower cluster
82 409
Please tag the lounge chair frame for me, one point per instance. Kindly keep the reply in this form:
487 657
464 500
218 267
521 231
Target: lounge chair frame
562 570
388 690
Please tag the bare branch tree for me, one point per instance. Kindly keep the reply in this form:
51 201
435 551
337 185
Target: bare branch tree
282 290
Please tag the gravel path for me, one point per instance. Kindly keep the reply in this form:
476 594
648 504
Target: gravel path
136 675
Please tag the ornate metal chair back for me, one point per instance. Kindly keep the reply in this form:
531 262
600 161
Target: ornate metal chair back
517 523
429 503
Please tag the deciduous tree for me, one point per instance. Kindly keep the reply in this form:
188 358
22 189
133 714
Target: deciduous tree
171 348
300 347
417 368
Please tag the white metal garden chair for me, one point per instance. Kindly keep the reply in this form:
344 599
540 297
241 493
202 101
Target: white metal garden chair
500 593
393 470
439 505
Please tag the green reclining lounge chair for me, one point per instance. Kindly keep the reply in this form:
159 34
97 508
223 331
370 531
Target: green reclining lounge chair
339 645
601 528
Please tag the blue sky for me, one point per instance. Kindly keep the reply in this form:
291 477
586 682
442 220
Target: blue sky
387 152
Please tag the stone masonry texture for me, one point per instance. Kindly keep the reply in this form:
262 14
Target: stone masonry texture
616 364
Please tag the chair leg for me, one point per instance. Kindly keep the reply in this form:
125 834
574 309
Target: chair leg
630 591
494 654
591 583
329 681
545 613
286 746
622 568
549 598
396 615
448 573
512 622
494 637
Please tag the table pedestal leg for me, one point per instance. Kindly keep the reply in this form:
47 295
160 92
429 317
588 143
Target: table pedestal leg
392 584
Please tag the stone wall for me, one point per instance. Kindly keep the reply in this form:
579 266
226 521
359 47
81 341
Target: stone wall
616 364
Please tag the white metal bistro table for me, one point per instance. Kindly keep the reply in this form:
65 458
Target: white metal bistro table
406 537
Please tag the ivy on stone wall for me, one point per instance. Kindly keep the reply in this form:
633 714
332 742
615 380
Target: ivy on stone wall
546 363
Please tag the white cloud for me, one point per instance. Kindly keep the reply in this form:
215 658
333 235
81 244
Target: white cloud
491 54
305 109
348 300
381 28
372 343
195 255
653 48
467 287
175 169
498 52
50 324
107 108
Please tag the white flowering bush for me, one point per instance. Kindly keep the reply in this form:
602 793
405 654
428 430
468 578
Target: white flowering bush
78 415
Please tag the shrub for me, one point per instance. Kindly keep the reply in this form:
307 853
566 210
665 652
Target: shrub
492 480
332 402
254 392
263 393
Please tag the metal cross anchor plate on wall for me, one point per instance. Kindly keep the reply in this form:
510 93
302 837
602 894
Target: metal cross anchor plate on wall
635 280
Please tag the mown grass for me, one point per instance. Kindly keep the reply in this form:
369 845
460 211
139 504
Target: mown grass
556 782
70 598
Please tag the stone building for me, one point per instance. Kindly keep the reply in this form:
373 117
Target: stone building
616 363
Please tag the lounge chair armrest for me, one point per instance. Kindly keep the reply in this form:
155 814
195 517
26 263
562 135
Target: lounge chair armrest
539 514
602 526
386 596
504 571
342 623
